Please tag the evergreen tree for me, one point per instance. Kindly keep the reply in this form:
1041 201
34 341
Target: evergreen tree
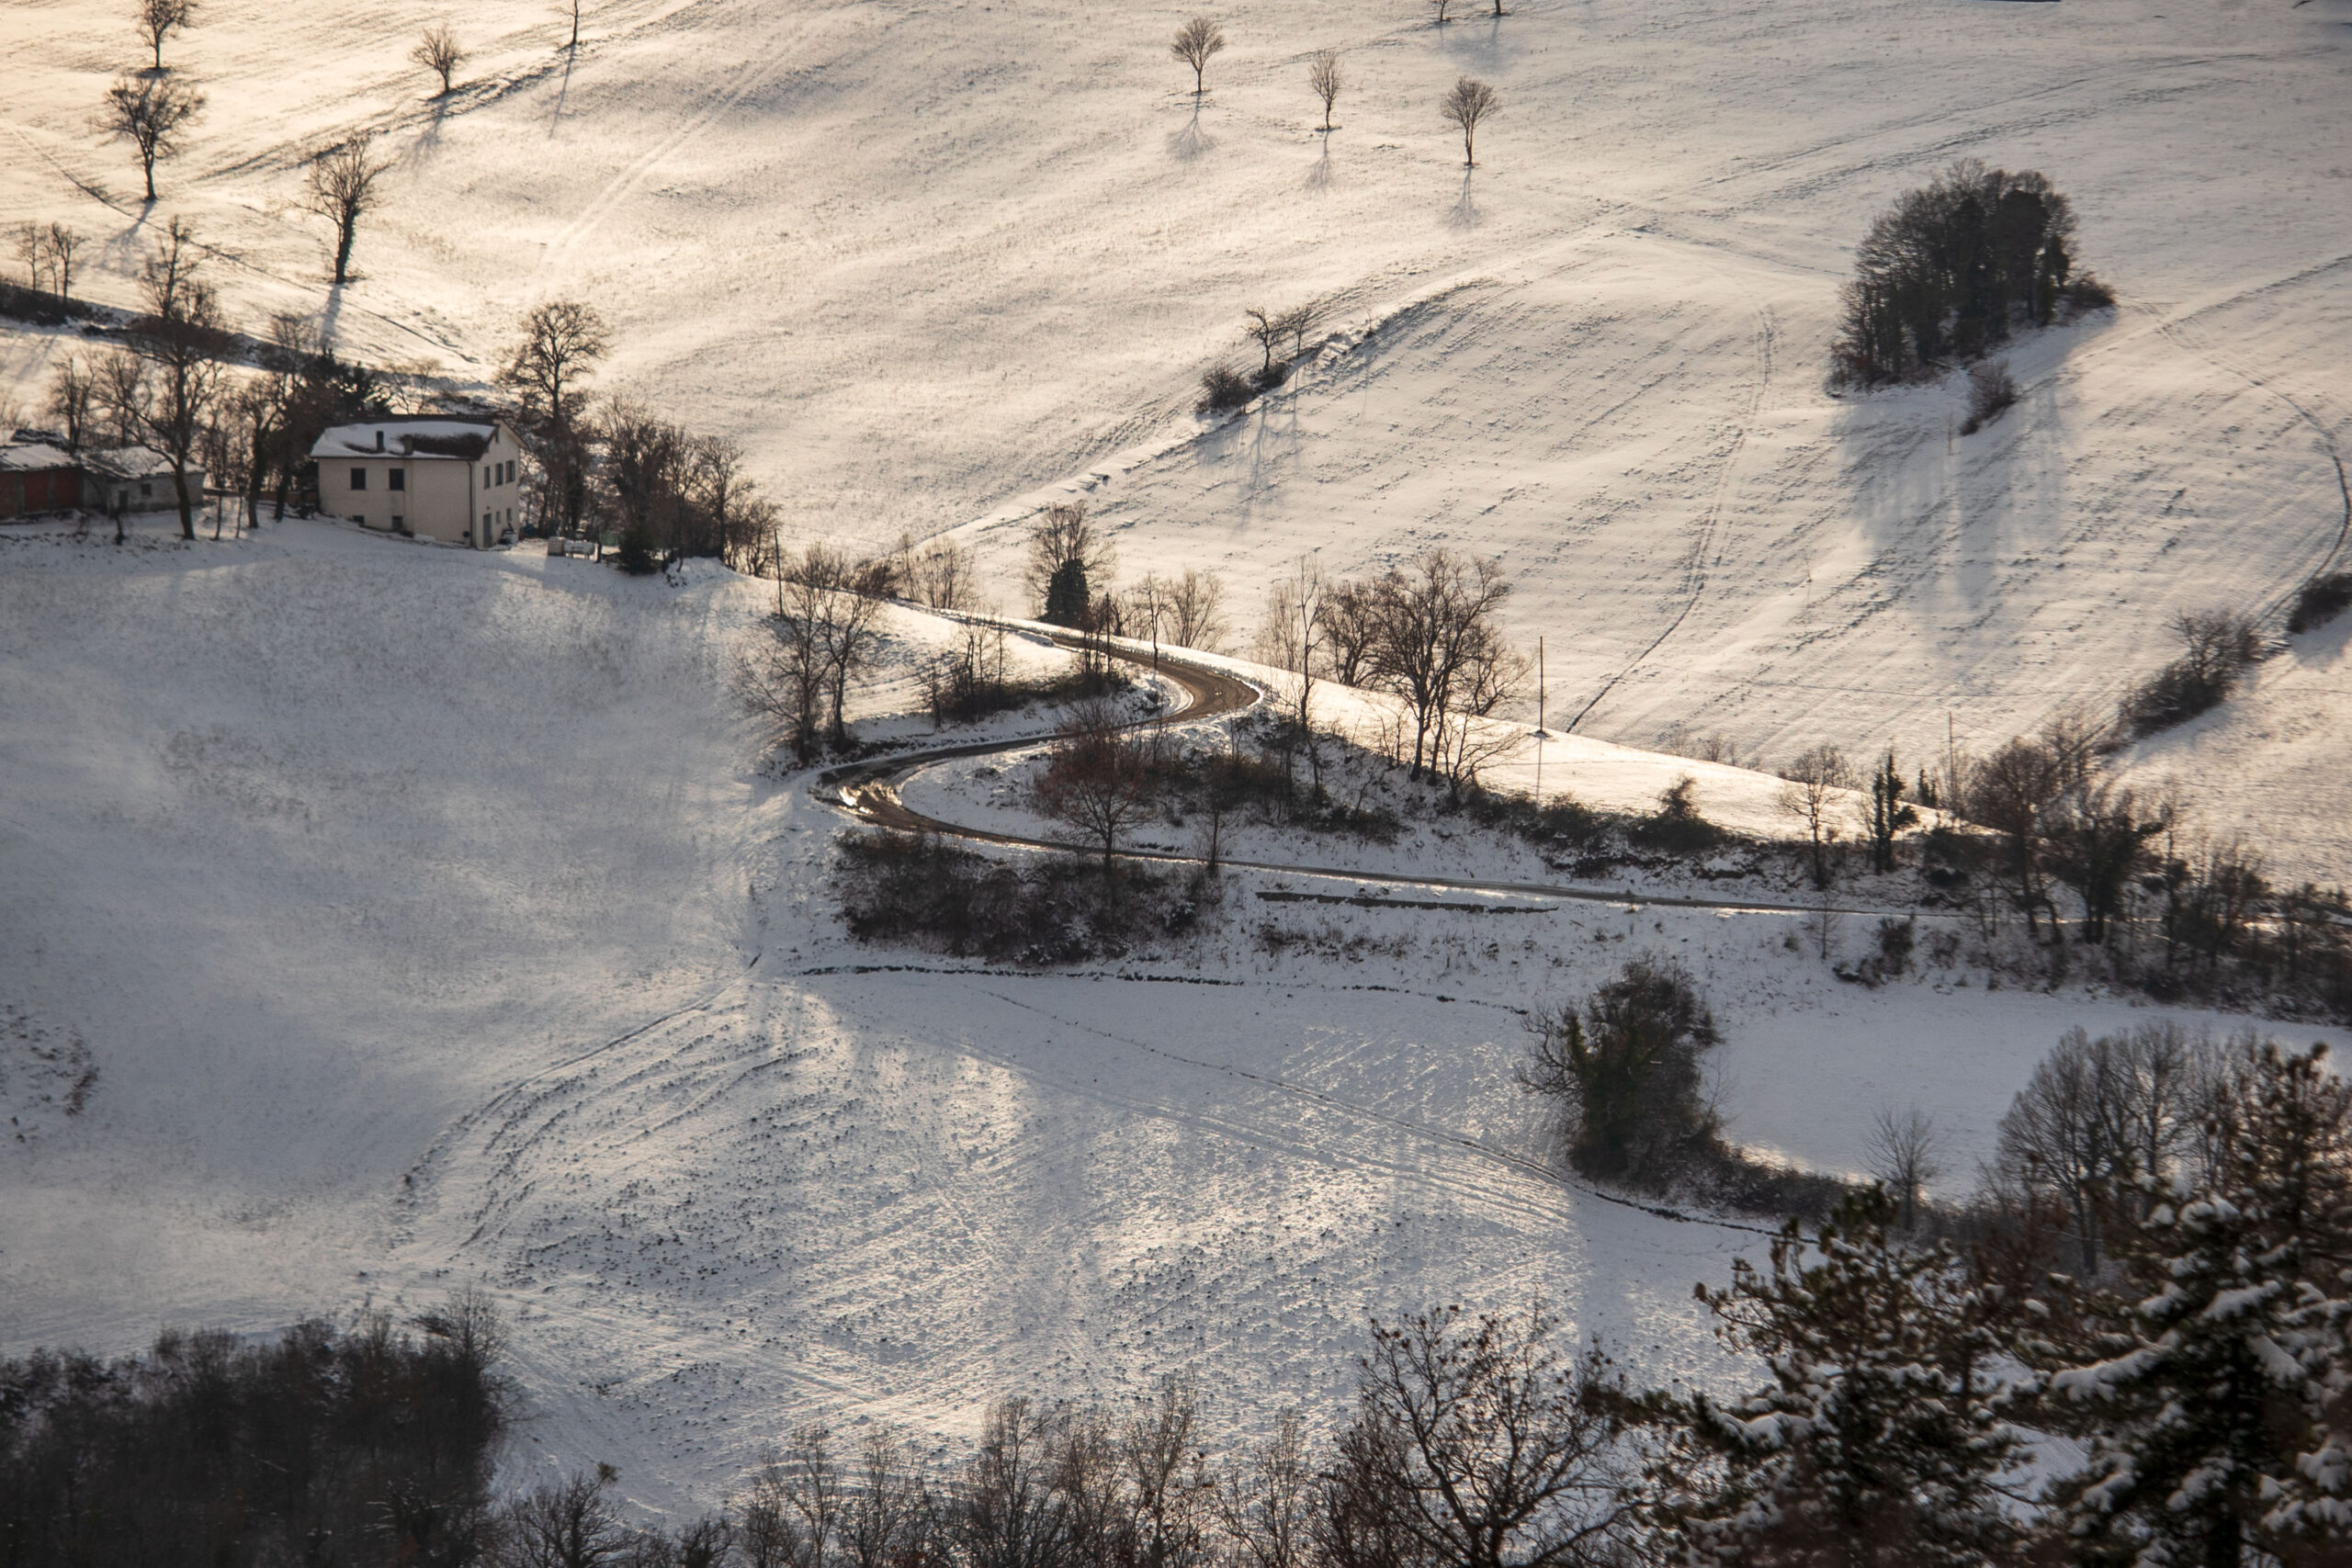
1889 815
1881 1441
2216 1385
1066 597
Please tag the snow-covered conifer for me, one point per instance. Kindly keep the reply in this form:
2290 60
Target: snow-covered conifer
1882 1437
2214 1387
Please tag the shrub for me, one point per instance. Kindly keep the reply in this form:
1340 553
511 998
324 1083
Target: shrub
1991 390
1676 827
2085 292
2216 647
635 555
1042 909
1623 1074
2321 601
1272 375
1222 389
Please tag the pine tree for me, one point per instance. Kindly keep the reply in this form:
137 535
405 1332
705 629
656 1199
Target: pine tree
1066 594
1889 815
2217 1384
1881 1441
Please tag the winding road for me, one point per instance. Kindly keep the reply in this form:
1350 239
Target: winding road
869 792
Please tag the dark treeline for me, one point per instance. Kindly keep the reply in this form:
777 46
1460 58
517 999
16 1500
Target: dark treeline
2116 874
1951 269
363 1445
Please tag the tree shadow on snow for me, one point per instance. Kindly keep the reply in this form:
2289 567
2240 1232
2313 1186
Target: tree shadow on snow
1463 213
1192 141
1318 173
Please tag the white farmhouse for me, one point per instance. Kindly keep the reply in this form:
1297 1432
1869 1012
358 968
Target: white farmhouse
444 477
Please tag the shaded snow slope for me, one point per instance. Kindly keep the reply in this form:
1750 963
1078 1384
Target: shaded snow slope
426 923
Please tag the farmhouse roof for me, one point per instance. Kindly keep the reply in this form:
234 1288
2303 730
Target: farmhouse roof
31 456
128 462
408 436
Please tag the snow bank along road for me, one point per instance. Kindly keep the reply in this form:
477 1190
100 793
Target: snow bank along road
869 790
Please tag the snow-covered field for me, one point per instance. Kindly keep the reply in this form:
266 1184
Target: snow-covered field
427 920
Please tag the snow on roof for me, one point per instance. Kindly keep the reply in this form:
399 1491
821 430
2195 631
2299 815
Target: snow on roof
130 462
31 456
408 435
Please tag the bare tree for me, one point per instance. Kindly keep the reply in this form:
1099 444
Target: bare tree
1296 322
1325 79
1470 102
565 1524
150 113
2013 792
560 344
1170 1493
1266 329
943 576
438 51
1476 1443
72 397
1812 786
341 188
1196 608
1096 782
158 19
1444 9
1267 1509
58 244
33 249
1903 1151
784 681
891 1515
1009 1514
163 390
1435 622
574 45
1351 632
1490 675
848 634
1287 641
2097 1116
1195 42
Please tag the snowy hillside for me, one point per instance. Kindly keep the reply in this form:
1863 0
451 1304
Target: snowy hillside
427 921
926 259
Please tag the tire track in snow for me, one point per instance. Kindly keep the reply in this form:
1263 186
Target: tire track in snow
1695 570
751 74
1502 1158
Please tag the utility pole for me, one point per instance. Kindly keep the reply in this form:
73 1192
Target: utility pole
1539 722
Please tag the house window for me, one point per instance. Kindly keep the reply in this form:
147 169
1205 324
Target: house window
358 478
400 523
399 480
485 522
510 471
485 475
146 489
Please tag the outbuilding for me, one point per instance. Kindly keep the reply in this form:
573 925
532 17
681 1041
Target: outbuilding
445 477
117 480
36 476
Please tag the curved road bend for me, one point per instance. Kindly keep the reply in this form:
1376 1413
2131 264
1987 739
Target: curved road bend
869 792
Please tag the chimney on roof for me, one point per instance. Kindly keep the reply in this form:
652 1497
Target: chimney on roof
380 438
